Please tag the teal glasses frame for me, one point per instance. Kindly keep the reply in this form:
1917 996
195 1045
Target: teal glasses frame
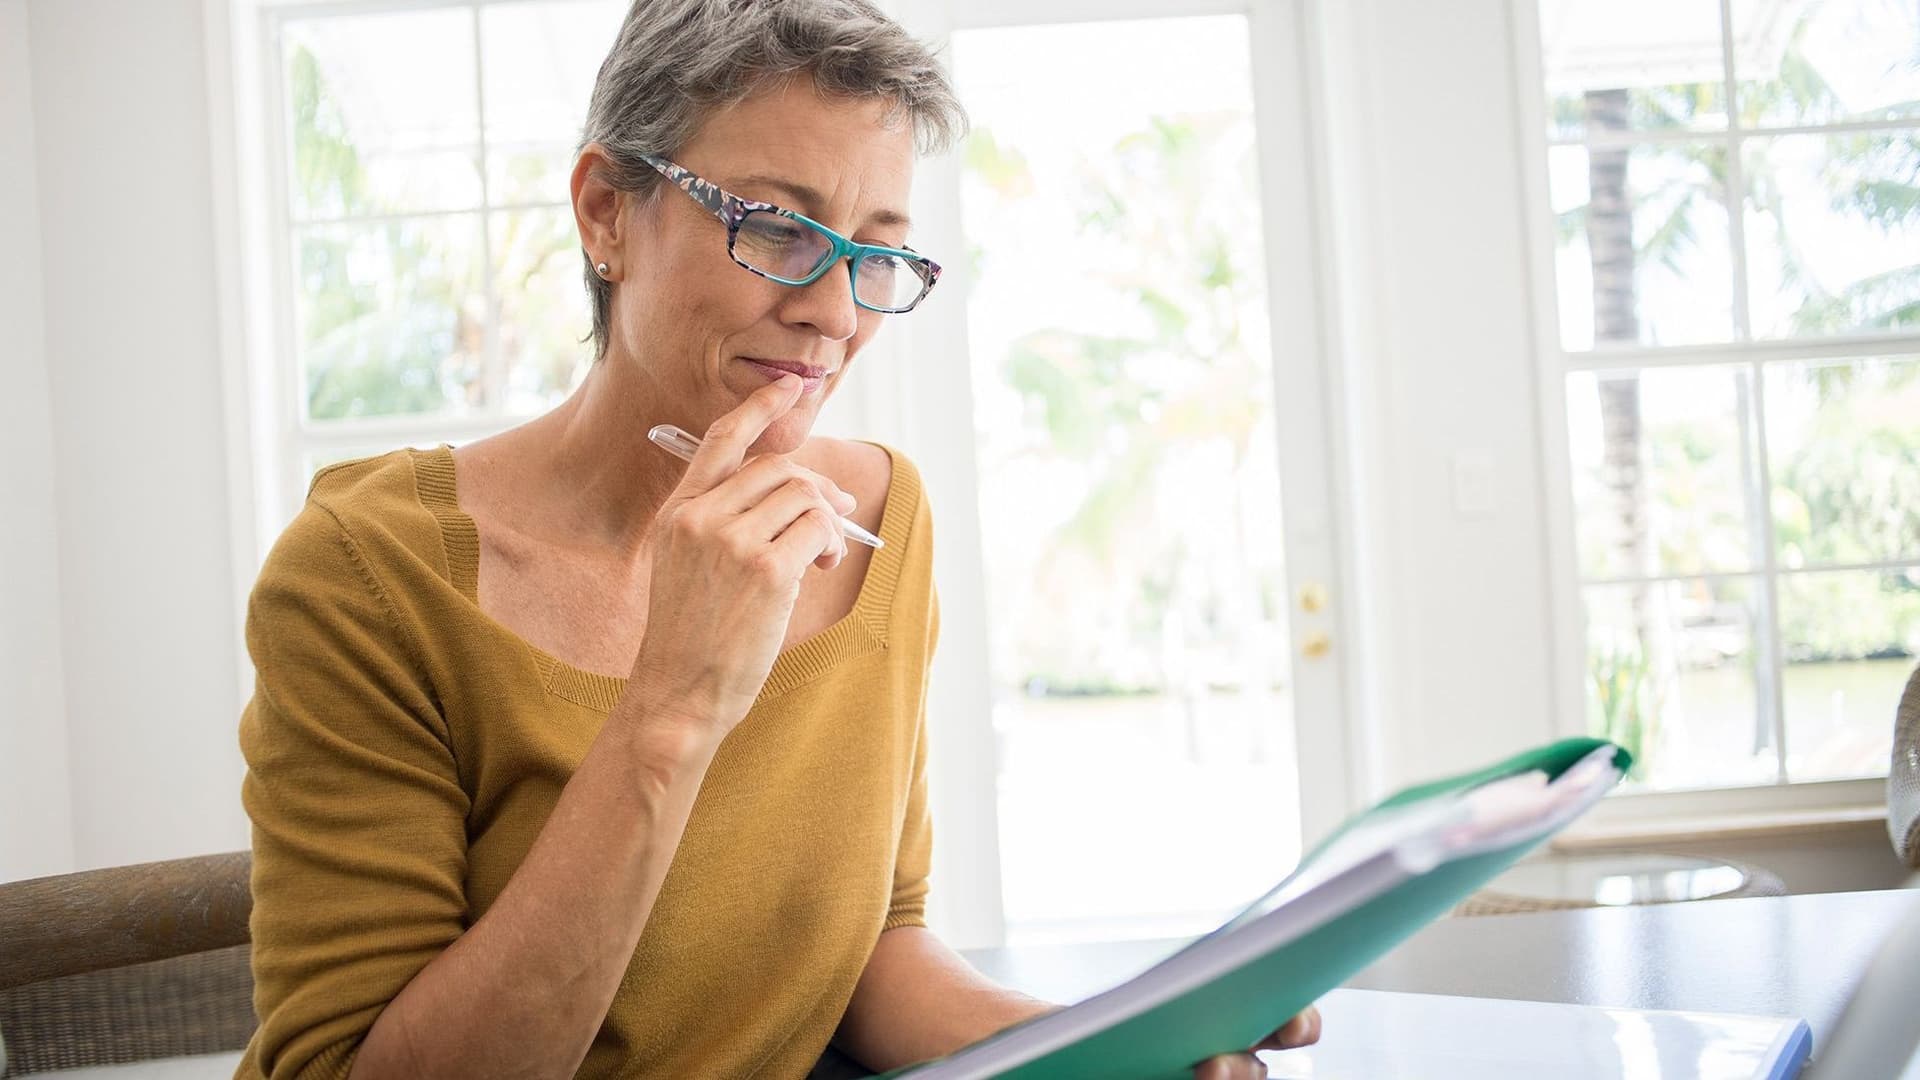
732 210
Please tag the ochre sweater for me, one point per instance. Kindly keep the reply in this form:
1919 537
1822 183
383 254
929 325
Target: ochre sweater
404 749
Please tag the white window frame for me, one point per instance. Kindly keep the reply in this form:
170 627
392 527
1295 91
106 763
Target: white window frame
1745 351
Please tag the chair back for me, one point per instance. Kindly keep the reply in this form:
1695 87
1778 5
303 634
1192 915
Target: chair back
126 964
1903 776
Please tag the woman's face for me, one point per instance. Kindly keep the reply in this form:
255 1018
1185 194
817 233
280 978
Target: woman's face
691 323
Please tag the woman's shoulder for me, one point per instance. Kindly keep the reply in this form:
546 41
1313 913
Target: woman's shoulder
362 484
376 509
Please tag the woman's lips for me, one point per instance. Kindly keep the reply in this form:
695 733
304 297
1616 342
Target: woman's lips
811 378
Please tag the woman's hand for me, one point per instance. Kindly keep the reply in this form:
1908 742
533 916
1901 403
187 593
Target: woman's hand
730 547
1302 1030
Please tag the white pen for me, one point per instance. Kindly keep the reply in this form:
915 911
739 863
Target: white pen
682 445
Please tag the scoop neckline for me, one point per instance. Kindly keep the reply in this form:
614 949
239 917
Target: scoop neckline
861 630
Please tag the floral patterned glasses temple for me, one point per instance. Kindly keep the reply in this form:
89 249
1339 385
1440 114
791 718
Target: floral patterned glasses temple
793 249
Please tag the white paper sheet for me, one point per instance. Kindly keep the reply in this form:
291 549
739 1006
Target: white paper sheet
1381 1035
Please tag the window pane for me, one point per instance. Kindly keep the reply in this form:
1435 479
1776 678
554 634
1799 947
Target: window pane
1659 461
539 61
1833 231
390 317
544 312
1632 65
381 112
1850 640
1844 439
1670 676
1822 61
528 175
1123 407
1642 245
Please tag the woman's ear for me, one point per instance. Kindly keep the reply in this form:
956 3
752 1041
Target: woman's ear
597 207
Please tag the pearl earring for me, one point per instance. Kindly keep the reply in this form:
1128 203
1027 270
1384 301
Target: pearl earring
601 269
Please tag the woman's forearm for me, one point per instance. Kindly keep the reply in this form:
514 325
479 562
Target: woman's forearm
523 992
918 999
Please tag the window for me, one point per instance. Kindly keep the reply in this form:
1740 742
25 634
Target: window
1735 214
432 287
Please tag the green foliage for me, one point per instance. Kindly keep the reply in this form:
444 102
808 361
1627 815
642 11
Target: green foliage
354 371
392 311
327 173
1001 168
367 352
1850 616
1624 704
1172 374
1849 493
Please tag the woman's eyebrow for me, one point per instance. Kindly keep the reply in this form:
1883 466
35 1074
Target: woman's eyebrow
810 199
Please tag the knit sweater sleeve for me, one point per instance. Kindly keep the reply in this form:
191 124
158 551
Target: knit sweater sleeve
908 906
913 860
359 817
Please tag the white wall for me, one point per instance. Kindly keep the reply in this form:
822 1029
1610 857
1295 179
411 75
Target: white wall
36 828
132 402
1424 163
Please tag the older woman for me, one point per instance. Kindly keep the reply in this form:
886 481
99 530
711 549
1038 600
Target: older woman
567 758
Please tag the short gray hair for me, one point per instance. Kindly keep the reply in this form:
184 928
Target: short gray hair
677 61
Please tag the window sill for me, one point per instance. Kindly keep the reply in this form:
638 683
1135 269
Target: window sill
1684 831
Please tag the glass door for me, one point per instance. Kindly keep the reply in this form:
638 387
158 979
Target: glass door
1148 632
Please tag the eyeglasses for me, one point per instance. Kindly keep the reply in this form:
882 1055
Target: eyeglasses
793 249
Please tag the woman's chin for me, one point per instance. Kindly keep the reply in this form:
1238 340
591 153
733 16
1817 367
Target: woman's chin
787 433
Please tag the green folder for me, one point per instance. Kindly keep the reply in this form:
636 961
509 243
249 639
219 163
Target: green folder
1232 987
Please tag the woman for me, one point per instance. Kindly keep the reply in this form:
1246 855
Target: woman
567 758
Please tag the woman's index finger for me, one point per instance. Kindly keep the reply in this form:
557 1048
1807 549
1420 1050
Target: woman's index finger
724 449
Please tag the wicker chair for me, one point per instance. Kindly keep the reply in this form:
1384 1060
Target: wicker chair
1754 881
138 963
126 964
1903 776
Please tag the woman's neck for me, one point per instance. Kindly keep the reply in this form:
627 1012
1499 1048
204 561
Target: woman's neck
584 474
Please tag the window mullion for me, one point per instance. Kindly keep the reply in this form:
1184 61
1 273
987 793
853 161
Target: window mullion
1769 682
490 334
406 428
1783 350
1602 140
1735 195
1881 566
428 215
288 378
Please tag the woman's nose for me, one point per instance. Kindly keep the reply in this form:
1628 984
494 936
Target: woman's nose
826 305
